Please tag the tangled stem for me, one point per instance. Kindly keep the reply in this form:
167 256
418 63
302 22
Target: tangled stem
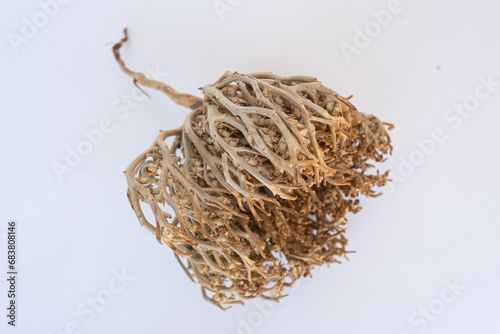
260 176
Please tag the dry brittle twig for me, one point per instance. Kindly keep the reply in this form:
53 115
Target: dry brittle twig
260 177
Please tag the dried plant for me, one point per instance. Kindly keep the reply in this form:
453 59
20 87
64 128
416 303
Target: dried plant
261 177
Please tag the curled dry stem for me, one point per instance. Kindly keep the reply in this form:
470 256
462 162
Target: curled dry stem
260 177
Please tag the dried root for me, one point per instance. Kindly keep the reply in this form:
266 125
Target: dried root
261 177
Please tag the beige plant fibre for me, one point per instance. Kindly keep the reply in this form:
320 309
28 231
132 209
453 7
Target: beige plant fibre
260 176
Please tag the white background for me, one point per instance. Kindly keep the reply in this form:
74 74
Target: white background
439 223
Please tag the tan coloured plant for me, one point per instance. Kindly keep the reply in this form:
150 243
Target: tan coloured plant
260 176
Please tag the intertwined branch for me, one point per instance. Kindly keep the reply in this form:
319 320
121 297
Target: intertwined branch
260 177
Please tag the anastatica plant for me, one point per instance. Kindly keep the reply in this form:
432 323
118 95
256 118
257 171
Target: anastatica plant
260 176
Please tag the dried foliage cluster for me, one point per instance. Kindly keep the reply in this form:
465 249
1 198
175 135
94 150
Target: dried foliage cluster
260 177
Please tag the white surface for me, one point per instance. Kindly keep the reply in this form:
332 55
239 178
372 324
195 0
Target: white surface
441 223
